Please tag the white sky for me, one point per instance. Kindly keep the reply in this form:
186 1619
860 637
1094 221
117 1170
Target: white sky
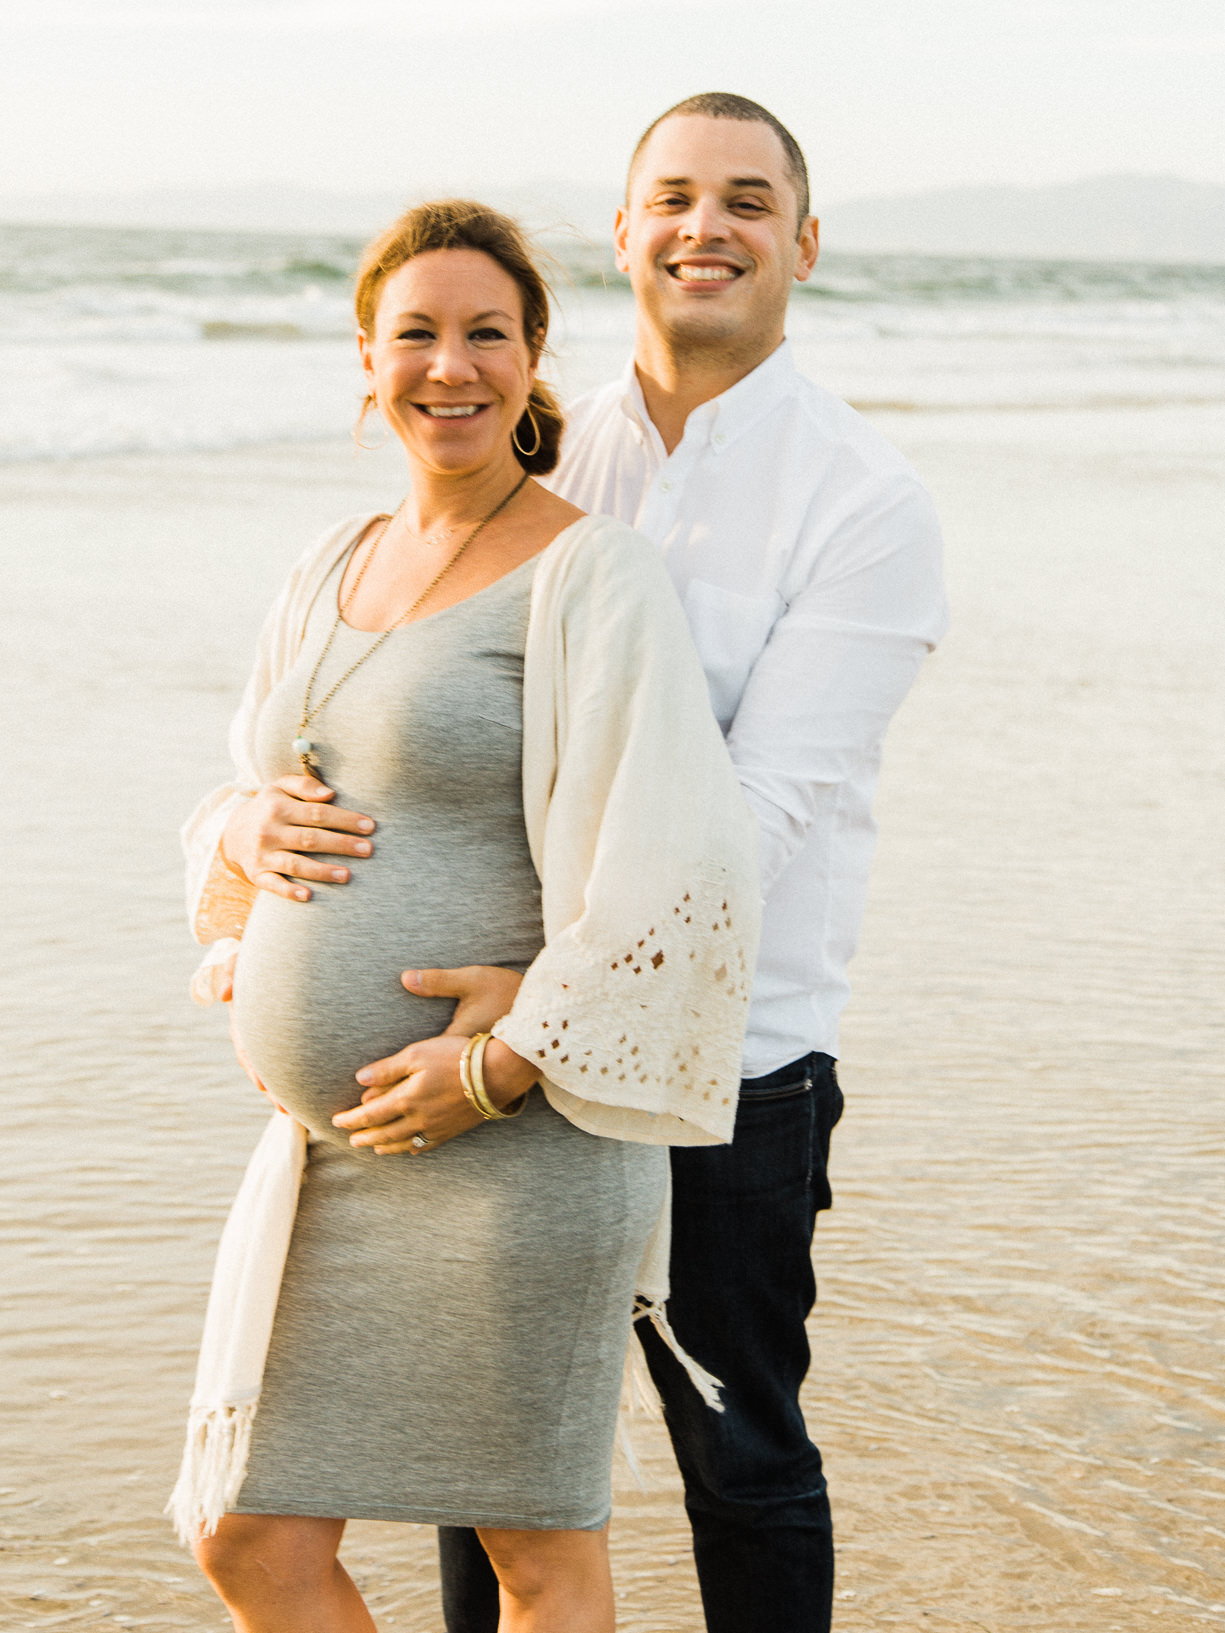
884 95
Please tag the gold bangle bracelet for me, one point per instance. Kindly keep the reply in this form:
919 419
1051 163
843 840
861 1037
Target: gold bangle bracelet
465 1077
480 1094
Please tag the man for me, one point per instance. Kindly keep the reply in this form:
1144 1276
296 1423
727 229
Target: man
806 554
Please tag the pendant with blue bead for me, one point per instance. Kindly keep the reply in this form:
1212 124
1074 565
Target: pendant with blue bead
305 750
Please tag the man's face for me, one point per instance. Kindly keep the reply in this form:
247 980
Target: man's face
708 235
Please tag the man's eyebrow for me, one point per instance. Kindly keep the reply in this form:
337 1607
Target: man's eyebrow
759 182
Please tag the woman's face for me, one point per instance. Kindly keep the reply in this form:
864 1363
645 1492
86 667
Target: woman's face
448 360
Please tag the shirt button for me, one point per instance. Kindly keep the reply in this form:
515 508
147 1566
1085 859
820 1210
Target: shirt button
665 487
720 439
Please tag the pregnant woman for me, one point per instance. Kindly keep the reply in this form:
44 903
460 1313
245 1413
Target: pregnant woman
476 734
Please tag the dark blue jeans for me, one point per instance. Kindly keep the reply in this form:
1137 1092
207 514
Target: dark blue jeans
743 1217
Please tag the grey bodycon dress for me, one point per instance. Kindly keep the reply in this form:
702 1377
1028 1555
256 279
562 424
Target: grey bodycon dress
451 1329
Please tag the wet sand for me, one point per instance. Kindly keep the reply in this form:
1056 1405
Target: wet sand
1018 1342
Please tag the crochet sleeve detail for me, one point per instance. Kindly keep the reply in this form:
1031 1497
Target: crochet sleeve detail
649 1021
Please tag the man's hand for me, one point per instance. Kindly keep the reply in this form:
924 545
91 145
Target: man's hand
485 992
271 838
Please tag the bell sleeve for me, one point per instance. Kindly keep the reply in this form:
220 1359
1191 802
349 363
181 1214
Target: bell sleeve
635 1009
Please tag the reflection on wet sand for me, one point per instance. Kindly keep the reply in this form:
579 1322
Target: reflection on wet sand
1018 1348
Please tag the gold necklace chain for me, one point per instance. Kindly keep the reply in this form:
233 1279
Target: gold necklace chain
302 745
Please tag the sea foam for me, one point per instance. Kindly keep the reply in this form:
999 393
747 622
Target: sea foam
148 340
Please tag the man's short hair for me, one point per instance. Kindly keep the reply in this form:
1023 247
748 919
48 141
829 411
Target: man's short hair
727 105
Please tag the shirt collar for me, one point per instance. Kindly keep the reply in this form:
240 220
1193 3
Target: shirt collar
632 403
726 416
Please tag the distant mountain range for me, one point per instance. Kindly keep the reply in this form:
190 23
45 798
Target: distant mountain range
1133 218
1106 218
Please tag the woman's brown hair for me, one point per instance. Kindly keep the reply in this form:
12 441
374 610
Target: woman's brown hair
457 223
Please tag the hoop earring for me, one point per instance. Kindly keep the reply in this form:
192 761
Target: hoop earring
527 453
370 402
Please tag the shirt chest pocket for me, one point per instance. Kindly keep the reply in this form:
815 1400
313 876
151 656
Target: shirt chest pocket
729 631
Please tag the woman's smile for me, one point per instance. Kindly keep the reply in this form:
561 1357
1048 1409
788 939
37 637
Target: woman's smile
450 411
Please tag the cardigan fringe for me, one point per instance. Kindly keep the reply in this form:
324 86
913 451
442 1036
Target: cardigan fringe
213 1469
706 1384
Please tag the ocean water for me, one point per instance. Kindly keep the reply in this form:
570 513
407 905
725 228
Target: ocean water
115 341
1020 1336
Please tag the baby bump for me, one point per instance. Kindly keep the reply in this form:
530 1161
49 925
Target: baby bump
317 992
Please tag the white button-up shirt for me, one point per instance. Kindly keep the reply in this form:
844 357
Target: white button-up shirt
807 556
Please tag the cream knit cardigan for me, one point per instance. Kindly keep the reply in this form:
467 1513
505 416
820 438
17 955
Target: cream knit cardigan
635 1008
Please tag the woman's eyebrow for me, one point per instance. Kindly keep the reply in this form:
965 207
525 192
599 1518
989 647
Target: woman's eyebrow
479 317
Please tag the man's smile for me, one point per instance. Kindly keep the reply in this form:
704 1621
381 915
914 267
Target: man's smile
706 272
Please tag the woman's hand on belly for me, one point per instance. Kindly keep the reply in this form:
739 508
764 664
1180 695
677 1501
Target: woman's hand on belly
416 1095
485 993
272 838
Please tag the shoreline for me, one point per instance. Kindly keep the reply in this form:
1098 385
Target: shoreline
902 420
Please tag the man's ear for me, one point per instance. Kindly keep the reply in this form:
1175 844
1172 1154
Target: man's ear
809 246
621 227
